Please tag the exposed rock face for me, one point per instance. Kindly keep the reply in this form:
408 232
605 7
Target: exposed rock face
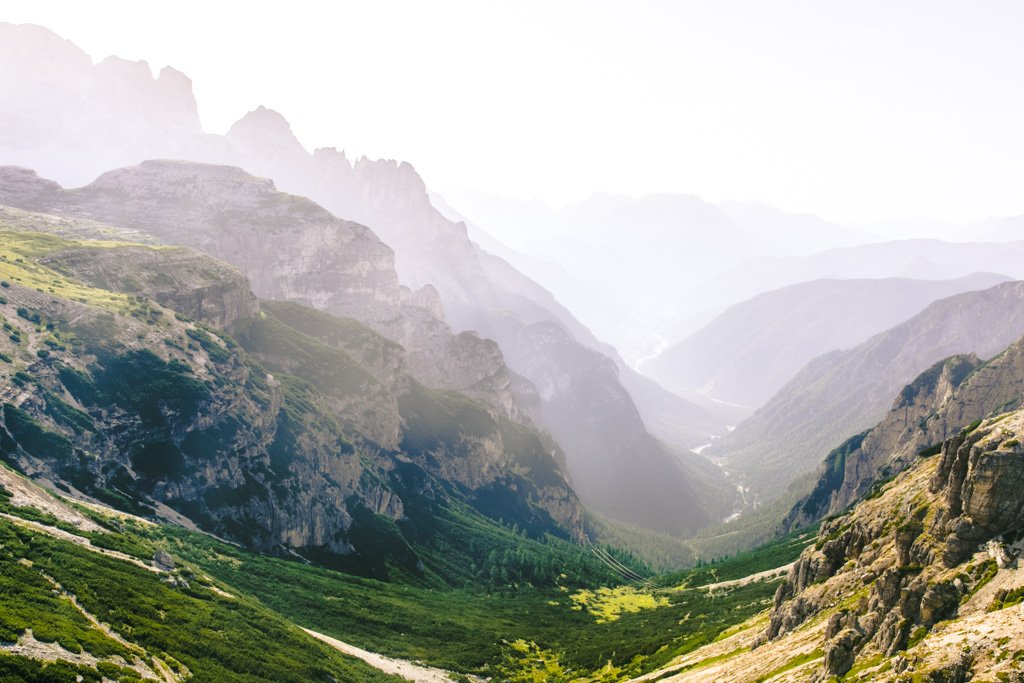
917 553
164 453
202 288
943 400
840 652
172 412
846 392
289 248
980 475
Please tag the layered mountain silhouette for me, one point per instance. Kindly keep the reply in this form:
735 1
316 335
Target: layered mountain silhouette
631 267
919 259
573 387
750 351
842 393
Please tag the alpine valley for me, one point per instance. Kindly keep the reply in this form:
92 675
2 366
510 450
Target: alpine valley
272 414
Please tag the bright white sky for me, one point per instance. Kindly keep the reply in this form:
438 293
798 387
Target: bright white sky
855 110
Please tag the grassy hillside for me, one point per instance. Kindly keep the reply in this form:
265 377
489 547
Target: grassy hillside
179 623
248 606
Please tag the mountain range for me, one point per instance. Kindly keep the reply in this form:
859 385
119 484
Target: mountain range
842 393
674 243
749 352
577 391
272 414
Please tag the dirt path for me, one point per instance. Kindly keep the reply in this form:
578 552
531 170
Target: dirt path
77 540
760 576
160 672
398 667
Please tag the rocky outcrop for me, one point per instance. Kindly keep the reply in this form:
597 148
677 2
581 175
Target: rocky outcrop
840 651
289 248
901 563
980 475
198 286
944 399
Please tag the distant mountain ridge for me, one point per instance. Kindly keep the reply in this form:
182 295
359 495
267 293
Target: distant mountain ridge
920 259
752 349
476 291
843 393
632 266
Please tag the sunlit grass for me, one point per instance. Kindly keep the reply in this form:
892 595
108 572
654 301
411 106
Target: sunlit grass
22 257
607 604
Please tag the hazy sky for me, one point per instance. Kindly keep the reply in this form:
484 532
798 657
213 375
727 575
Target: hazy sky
853 109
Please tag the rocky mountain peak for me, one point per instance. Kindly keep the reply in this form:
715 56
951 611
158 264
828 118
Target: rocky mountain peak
130 70
262 128
25 42
263 143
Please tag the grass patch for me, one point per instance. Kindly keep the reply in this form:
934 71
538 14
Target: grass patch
215 638
793 663
607 604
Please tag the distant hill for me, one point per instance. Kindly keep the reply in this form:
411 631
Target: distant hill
751 350
919 259
640 259
844 392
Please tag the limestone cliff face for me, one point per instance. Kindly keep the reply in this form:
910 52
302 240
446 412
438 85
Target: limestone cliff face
589 397
939 403
164 423
925 563
176 413
290 249
184 280
980 477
